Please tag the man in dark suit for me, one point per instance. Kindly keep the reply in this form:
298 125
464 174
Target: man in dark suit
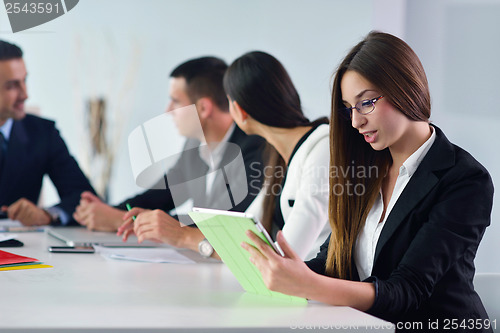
198 82
31 147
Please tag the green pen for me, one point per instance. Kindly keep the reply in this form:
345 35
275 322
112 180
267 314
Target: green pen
129 208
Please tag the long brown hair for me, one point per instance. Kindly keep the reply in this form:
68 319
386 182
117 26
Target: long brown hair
262 87
390 64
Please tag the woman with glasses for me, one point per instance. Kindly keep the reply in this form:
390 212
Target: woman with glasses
404 249
263 101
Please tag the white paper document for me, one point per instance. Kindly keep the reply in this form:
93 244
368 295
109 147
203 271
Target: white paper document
153 255
7 225
6 237
10 223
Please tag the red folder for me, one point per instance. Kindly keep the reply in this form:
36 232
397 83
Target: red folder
7 258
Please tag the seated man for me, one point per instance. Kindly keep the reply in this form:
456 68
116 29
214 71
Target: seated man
31 147
198 82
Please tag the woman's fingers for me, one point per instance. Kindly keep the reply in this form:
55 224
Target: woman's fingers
287 249
263 247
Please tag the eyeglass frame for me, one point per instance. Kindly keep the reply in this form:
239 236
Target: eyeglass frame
371 100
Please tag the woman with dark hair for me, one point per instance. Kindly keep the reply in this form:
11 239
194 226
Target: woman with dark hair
403 250
263 101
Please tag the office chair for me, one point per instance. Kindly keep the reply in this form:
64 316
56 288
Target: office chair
487 285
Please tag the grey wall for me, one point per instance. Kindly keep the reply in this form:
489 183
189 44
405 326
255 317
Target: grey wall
89 52
124 50
459 46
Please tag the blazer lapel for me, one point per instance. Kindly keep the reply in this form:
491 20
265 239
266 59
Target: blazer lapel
440 156
15 158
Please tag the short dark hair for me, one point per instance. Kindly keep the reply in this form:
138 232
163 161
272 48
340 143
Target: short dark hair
204 79
9 51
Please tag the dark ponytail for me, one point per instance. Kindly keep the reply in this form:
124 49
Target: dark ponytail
262 87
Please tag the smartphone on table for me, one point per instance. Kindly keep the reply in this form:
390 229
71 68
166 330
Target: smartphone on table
71 249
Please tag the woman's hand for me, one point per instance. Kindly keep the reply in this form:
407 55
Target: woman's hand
288 274
158 226
127 227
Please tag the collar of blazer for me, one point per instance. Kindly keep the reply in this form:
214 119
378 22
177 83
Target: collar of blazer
440 156
233 146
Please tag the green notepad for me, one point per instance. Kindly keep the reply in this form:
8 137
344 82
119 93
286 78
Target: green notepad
225 231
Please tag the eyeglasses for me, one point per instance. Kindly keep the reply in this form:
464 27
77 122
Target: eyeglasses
363 107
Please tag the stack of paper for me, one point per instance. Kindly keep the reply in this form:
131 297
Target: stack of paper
10 261
7 225
9 240
155 255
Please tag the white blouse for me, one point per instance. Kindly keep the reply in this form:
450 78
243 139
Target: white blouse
304 196
364 252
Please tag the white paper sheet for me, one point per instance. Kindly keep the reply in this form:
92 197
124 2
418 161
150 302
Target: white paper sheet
6 237
153 255
7 225
10 223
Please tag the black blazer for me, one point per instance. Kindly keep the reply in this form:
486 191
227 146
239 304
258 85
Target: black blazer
424 259
36 149
189 177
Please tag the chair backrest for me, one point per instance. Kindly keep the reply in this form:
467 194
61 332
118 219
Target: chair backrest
487 285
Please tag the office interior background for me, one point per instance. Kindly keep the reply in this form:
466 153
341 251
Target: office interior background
123 51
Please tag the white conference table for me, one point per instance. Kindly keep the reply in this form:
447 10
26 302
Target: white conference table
87 292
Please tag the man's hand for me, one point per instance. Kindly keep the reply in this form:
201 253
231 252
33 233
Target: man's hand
96 215
27 213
